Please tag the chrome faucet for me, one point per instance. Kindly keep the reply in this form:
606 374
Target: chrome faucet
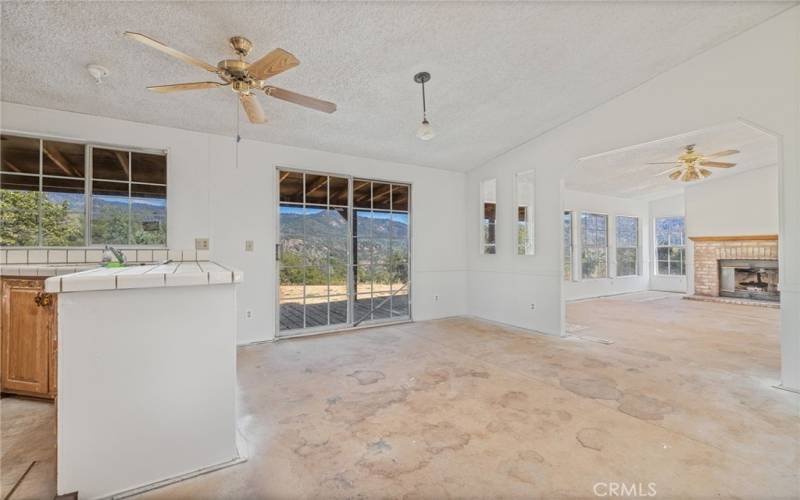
110 253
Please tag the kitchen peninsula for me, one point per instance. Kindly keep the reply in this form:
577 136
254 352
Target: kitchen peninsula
146 375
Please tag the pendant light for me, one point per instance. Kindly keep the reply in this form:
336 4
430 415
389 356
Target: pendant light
425 131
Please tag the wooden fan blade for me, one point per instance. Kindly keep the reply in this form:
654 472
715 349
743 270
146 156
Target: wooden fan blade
704 172
170 51
177 87
271 64
674 175
666 171
716 164
302 100
255 113
727 152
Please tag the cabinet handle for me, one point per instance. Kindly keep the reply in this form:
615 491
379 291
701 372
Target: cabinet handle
43 299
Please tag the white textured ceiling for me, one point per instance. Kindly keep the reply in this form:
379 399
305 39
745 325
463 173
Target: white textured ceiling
502 72
625 173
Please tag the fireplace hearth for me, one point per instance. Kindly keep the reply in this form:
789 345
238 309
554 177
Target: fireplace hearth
749 279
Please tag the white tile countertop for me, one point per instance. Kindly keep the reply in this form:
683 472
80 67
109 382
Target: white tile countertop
188 273
43 270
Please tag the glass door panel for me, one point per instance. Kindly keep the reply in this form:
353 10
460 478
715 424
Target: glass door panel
343 252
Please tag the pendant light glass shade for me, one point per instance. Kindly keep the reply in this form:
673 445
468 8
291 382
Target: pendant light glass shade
425 131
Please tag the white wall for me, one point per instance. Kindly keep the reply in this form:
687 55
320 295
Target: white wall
672 206
208 196
754 76
737 205
579 288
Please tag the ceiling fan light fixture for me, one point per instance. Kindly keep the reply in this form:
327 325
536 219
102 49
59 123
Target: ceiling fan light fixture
425 131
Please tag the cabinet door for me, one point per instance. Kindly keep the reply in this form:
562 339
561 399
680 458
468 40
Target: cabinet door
25 338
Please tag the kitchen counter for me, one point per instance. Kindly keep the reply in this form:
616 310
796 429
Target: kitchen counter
189 273
146 357
43 270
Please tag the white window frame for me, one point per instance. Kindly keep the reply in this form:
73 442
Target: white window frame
669 246
584 246
484 243
617 246
570 247
88 178
529 246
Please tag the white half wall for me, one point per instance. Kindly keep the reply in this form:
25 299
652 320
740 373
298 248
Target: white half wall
579 288
754 76
208 195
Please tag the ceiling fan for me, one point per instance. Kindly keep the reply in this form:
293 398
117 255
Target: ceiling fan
243 78
690 166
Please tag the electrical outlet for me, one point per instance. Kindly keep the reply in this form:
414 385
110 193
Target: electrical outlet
201 243
248 246
248 314
533 306
436 298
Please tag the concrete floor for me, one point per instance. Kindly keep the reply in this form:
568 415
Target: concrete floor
461 408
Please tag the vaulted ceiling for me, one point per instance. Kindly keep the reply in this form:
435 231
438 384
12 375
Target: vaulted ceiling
629 172
503 73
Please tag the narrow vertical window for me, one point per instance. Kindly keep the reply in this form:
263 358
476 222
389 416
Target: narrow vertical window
594 240
525 213
488 216
627 229
670 245
567 228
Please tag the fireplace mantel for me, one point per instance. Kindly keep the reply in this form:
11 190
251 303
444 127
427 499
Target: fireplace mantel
756 237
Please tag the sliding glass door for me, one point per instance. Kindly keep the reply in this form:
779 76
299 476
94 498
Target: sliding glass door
343 252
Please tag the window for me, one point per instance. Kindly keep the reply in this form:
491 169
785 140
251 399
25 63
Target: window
129 198
670 246
61 194
594 239
525 205
488 216
567 245
627 245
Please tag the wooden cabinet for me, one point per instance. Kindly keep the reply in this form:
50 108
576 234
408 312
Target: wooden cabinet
28 332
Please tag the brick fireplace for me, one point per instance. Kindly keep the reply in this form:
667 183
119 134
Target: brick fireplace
749 265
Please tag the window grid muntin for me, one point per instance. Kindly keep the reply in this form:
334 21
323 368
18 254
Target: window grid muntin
594 243
568 244
627 245
675 240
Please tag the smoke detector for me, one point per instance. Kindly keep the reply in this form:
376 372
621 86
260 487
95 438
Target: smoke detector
98 72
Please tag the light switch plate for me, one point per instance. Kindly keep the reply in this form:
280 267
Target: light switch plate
201 243
248 246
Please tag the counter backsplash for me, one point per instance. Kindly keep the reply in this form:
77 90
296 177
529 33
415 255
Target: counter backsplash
94 255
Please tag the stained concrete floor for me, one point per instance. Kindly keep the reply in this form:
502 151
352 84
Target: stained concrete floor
461 408
27 434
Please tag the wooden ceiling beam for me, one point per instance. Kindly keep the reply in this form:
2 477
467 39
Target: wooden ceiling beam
123 162
12 166
61 162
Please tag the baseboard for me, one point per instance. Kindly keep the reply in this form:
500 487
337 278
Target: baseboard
242 454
